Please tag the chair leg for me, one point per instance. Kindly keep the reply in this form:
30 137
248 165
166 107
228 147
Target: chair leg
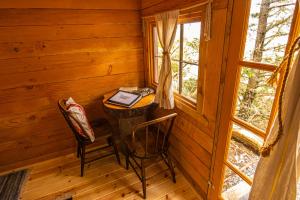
116 151
78 150
143 179
82 160
171 166
127 161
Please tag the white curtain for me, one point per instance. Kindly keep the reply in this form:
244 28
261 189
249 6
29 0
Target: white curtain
166 24
276 176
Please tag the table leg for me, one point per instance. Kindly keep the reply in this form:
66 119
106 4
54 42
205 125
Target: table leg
126 124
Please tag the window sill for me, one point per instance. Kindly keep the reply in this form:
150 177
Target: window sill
188 107
183 100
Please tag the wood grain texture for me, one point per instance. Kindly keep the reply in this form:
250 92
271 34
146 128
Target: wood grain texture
62 32
72 4
41 17
151 7
55 49
104 179
212 66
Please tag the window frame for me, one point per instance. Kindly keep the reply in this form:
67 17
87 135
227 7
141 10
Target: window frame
265 67
294 30
180 61
181 101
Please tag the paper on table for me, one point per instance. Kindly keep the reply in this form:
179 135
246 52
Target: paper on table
128 89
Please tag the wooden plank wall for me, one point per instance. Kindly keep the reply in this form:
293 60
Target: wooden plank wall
192 140
54 49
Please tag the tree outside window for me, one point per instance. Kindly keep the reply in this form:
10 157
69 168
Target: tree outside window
268 32
184 59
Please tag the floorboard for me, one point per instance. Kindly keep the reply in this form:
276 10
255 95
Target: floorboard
59 179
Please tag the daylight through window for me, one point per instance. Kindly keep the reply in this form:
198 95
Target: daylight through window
267 37
184 59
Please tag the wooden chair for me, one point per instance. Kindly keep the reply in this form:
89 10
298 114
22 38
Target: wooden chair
103 134
148 142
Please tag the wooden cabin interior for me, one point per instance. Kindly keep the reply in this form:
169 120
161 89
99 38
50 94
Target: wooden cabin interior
55 49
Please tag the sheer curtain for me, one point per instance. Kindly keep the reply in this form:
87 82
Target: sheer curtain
166 24
276 175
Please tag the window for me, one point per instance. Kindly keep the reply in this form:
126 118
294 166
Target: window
269 25
184 59
267 36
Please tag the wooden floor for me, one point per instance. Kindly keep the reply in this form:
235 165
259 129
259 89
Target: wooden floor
104 179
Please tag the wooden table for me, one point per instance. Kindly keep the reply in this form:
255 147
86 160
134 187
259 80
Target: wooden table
128 117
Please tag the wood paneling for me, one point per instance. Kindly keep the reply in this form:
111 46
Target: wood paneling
62 32
41 17
150 7
72 4
193 135
55 49
69 61
175 3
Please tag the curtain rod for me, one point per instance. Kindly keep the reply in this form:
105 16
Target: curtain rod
182 9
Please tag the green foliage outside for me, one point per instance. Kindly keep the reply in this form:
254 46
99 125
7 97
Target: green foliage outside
269 26
189 62
267 35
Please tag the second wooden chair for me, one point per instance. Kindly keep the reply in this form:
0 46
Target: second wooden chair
149 141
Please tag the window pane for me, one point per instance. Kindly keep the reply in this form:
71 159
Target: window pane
189 81
189 59
157 52
234 187
268 30
255 97
175 59
191 42
243 151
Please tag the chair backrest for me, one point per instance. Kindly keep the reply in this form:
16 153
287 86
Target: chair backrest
160 128
63 109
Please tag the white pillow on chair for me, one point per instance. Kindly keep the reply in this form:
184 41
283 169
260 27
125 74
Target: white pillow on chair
77 112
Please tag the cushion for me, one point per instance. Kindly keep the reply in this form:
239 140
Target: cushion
78 115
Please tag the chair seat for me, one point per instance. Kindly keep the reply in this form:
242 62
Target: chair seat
102 131
138 146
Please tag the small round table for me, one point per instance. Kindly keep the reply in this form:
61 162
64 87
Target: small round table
122 112
128 117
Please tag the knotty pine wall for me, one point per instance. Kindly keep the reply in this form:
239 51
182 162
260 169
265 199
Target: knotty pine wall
195 133
54 49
